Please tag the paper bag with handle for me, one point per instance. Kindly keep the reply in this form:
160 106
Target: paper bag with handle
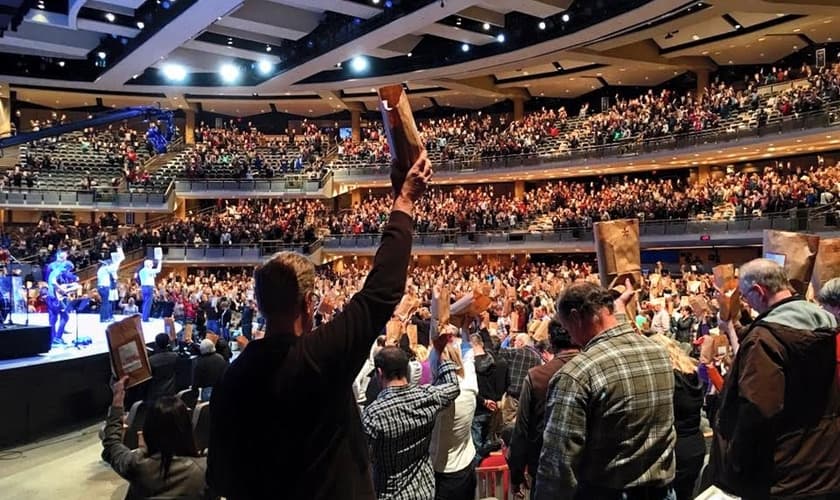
393 331
411 331
440 305
403 138
827 264
127 348
796 252
723 274
729 296
617 249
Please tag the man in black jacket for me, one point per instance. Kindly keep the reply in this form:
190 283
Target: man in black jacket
163 362
291 391
492 375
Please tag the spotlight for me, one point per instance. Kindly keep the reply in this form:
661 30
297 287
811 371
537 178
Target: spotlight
61 64
101 55
268 48
500 38
265 67
140 25
565 18
737 26
486 26
110 17
359 64
229 73
465 47
541 25
409 54
174 72
375 2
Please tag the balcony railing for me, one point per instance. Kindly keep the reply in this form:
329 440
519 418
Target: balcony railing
826 117
291 184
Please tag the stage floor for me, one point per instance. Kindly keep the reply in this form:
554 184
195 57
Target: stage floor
88 326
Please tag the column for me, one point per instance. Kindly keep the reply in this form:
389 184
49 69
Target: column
702 81
356 124
519 190
189 127
518 108
355 197
180 208
5 110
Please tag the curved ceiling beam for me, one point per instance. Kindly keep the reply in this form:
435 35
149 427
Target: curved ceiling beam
74 7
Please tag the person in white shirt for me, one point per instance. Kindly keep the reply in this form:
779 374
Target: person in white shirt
147 284
452 450
661 320
106 279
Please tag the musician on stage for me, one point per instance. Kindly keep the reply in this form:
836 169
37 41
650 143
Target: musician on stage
147 284
59 287
106 280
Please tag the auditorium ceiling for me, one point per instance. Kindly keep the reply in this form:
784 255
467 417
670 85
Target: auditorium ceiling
317 57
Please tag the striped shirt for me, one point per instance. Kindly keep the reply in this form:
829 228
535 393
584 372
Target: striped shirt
399 427
609 418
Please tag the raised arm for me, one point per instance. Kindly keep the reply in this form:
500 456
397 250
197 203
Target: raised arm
121 459
341 346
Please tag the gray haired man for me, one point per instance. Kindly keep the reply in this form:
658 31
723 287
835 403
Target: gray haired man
829 297
776 431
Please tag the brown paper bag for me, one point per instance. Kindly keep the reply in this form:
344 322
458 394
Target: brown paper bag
698 304
407 306
403 138
796 252
617 249
827 263
188 332
723 273
169 328
393 331
514 322
729 302
541 331
411 331
440 307
211 336
127 348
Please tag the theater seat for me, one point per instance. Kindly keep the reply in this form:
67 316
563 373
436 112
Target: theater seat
492 475
189 397
201 426
134 424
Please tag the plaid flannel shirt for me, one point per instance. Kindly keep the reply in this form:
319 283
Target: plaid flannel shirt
609 418
519 362
399 426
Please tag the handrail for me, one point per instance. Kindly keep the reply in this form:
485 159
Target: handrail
825 117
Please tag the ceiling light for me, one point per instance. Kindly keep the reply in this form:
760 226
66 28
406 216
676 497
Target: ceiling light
695 37
541 25
409 54
61 64
101 55
264 67
41 6
500 38
268 48
565 18
229 72
134 77
465 47
110 17
486 26
140 25
458 22
359 64
174 72
375 2
737 26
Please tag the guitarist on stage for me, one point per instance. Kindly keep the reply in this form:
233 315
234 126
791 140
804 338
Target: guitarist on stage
60 283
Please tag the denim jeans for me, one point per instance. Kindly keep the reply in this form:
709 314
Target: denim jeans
479 431
105 313
148 294
212 325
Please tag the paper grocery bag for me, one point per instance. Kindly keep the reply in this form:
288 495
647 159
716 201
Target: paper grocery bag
169 328
796 252
723 274
393 331
403 138
212 336
407 306
729 302
698 304
440 307
411 331
541 331
827 263
127 348
617 248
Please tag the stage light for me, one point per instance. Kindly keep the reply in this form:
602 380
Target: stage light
486 26
500 38
140 25
101 55
541 25
565 18
110 17
265 67
375 2
174 72
229 73
465 47
409 54
61 64
268 48
359 64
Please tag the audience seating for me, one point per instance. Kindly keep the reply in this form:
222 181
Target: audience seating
493 477
134 424
189 397
201 426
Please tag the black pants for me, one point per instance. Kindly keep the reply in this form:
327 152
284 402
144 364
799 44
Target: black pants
456 485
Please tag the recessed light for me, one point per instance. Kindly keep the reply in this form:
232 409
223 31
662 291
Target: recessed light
61 64
565 18
110 17
486 26
409 54
465 47
268 48
140 25
541 25
695 37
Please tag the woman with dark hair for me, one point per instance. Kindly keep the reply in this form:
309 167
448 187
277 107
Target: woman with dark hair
169 465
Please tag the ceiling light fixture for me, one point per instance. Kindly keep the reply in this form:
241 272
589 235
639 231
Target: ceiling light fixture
465 47
541 25
359 64
110 17
500 38
268 48
409 54
565 18
486 26
229 72
265 67
140 25
174 72
61 64
101 55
